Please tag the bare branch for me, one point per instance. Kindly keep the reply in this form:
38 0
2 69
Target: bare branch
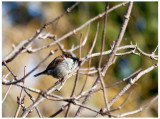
6 93
82 26
17 81
76 80
10 70
20 101
96 73
119 39
123 103
60 110
100 60
138 110
33 100
25 44
83 43
132 81
109 61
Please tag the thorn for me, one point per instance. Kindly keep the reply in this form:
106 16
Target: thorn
68 10
13 46
100 15
72 46
38 30
131 81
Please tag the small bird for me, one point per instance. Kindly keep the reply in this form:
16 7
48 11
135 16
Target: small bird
61 66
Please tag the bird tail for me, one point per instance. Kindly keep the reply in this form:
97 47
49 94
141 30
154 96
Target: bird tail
43 72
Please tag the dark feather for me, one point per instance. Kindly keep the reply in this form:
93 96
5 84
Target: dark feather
55 62
43 72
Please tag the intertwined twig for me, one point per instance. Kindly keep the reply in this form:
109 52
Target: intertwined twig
80 100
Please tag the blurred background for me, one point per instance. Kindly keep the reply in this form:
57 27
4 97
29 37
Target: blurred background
20 20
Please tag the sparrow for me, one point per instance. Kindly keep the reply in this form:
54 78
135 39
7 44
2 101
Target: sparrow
61 66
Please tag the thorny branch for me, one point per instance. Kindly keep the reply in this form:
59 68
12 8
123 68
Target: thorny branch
33 100
112 54
58 85
79 28
74 99
137 110
20 80
20 101
76 80
27 43
100 60
132 81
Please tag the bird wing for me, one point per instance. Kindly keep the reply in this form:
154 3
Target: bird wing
55 62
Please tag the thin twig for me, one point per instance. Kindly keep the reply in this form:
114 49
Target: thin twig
124 102
155 49
111 57
100 60
89 53
4 77
82 44
28 42
134 47
111 85
89 64
33 100
5 64
60 110
58 83
73 99
20 80
56 97
6 93
78 104
49 90
19 100
79 28
132 81
123 80
119 39
152 56
137 110
76 79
